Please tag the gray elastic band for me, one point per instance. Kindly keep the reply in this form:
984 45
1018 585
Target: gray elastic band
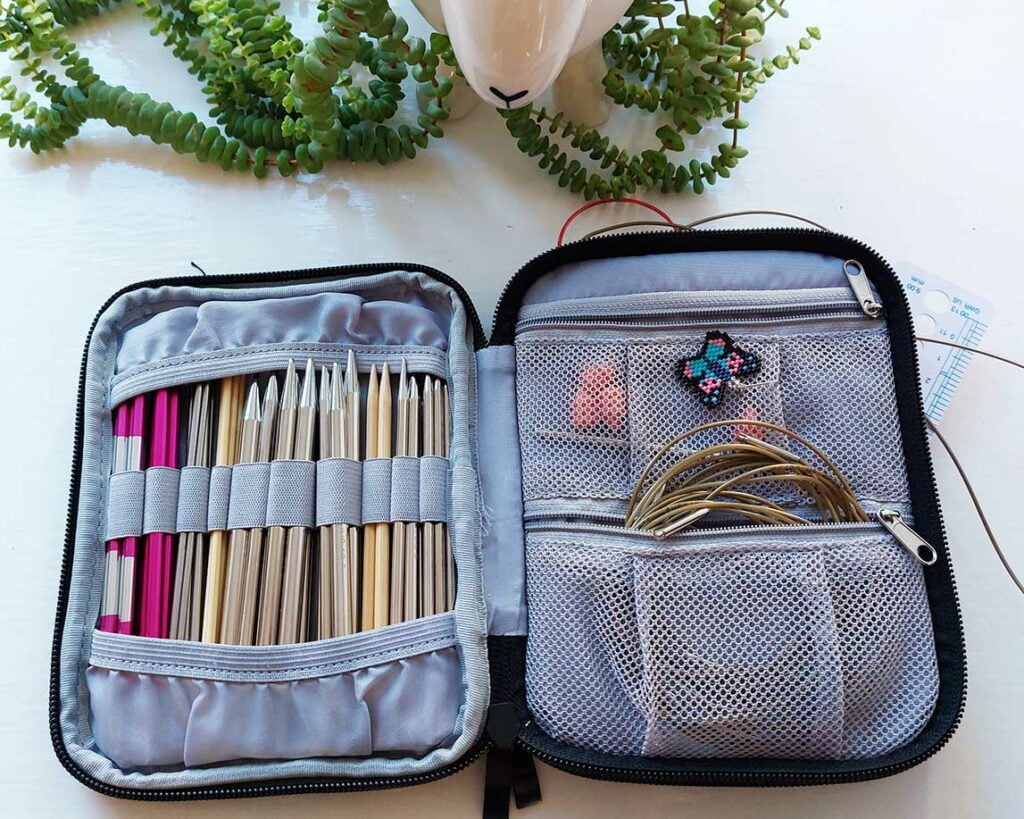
193 498
124 504
433 488
250 487
405 488
376 490
220 496
339 492
160 511
292 493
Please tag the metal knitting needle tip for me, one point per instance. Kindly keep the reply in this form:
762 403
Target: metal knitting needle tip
289 392
268 419
252 410
777 450
681 524
307 397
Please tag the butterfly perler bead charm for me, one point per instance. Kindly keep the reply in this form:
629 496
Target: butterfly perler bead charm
718 362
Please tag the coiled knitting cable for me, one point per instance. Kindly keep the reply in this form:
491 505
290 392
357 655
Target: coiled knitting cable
721 478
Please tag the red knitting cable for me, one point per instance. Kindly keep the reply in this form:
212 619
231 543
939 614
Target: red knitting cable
596 202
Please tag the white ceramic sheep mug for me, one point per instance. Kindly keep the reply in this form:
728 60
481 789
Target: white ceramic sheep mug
512 51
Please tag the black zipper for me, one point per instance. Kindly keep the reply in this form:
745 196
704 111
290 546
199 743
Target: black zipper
924 500
243 789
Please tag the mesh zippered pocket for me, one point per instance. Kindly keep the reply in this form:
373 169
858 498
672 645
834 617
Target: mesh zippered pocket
785 642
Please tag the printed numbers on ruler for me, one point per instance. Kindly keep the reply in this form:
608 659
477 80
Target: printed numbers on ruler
946 311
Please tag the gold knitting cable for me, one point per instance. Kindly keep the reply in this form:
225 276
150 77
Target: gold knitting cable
719 478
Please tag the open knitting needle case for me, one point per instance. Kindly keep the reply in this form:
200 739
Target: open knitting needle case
723 655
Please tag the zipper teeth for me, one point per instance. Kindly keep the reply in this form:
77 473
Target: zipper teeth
700 777
696 318
682 318
243 789
812 527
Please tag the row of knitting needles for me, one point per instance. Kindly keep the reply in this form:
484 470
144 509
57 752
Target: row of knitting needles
266 587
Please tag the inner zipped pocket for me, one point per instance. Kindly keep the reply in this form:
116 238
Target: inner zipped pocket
787 642
599 391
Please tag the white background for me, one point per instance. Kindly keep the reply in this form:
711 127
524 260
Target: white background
902 127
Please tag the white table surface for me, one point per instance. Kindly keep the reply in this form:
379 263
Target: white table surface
899 128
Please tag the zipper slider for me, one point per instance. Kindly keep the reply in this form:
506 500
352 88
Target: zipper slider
919 548
854 271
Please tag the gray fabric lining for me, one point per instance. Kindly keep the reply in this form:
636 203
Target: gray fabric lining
394 690
193 499
501 488
292 494
250 488
263 664
433 488
339 492
706 270
125 500
376 490
160 512
220 498
405 488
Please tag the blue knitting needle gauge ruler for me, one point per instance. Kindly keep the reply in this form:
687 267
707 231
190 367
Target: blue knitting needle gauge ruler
946 311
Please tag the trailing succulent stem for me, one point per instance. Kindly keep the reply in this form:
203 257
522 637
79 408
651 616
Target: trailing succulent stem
282 103
696 74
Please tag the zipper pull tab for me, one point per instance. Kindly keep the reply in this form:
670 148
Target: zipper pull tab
858 279
919 548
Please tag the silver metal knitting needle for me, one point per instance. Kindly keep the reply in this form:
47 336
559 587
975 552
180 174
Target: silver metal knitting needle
238 544
182 563
427 536
439 559
340 534
398 550
296 546
254 558
352 440
449 558
203 456
412 529
325 553
273 559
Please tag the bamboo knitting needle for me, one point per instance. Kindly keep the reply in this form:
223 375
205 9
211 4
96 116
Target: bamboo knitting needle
398 549
273 563
130 545
382 531
439 539
427 528
412 529
449 558
295 578
369 530
238 543
227 449
325 552
254 556
340 534
352 451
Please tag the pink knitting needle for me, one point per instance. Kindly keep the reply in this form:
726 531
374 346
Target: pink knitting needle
112 569
130 545
153 552
167 554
